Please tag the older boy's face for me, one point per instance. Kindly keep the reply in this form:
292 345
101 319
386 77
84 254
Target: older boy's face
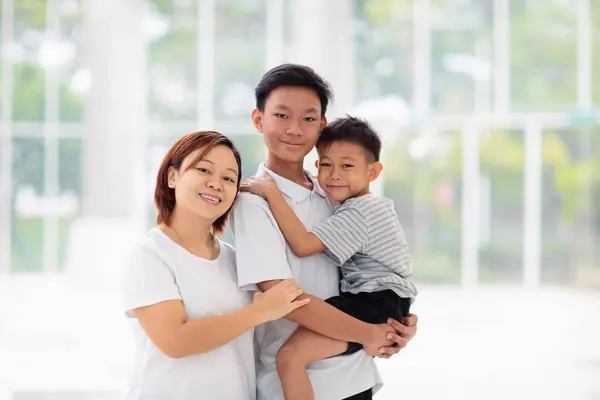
345 171
291 122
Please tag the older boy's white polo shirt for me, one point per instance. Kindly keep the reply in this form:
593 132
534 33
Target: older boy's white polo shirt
263 255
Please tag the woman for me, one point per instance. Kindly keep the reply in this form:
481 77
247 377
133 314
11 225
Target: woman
191 323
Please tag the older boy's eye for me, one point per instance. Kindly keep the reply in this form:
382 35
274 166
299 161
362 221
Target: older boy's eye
280 115
310 119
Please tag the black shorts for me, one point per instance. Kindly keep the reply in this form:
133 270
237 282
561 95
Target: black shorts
374 308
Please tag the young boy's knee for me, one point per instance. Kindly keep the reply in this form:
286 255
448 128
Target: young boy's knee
288 357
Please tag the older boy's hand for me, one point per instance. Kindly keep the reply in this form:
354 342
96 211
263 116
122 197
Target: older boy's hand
404 333
263 186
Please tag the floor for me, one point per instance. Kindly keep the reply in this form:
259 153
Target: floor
62 339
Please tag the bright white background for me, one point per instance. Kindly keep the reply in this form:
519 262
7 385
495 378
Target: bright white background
489 113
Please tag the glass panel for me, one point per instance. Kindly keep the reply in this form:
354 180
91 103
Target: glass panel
70 190
27 191
461 53
240 59
595 15
75 80
384 43
172 69
571 207
423 176
28 75
543 55
502 210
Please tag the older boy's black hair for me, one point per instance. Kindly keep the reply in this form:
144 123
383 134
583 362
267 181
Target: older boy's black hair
292 75
353 130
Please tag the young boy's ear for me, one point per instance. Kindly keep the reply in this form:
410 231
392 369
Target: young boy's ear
317 164
374 170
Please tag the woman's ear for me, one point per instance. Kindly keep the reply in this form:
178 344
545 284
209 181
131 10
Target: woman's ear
171 177
374 170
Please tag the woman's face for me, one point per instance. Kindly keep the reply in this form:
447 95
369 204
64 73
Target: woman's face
209 187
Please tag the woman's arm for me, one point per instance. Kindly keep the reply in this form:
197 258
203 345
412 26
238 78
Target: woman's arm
166 323
167 326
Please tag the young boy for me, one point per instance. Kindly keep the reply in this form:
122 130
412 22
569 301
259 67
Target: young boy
363 236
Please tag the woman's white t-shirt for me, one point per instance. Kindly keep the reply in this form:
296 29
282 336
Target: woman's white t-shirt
160 270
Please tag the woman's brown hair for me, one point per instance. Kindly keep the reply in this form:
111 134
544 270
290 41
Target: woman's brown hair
164 196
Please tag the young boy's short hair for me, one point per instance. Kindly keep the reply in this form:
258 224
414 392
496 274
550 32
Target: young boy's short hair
294 75
353 130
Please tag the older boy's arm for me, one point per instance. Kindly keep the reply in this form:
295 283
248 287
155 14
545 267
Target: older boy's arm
302 242
253 228
331 322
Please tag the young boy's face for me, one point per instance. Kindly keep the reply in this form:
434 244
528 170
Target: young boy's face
345 170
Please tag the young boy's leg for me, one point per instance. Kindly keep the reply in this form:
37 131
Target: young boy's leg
301 349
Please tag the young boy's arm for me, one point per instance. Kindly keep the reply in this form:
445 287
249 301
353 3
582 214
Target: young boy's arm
342 235
302 242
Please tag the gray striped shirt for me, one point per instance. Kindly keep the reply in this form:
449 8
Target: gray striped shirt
365 238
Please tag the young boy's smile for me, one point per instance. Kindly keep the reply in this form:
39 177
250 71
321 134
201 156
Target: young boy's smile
345 170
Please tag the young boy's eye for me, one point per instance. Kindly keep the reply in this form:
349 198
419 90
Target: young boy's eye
347 165
324 164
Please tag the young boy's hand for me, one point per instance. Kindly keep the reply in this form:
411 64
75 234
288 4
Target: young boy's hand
262 186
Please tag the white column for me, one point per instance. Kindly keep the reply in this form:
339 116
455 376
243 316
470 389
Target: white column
470 213
115 117
533 205
205 64
274 36
6 46
501 56
422 58
323 38
584 55
51 132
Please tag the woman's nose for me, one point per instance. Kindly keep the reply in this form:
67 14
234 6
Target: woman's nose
214 185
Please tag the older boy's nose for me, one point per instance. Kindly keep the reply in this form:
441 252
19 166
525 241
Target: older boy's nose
294 130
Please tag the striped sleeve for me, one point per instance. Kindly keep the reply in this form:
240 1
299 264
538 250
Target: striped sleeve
344 233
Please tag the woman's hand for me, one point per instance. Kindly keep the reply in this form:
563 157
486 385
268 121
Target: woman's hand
263 186
279 301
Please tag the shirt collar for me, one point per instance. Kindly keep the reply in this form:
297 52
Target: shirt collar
291 189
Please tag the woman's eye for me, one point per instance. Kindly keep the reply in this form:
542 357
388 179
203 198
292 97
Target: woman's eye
203 170
229 179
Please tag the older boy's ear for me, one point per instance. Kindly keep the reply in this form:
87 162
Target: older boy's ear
257 119
375 170
323 124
